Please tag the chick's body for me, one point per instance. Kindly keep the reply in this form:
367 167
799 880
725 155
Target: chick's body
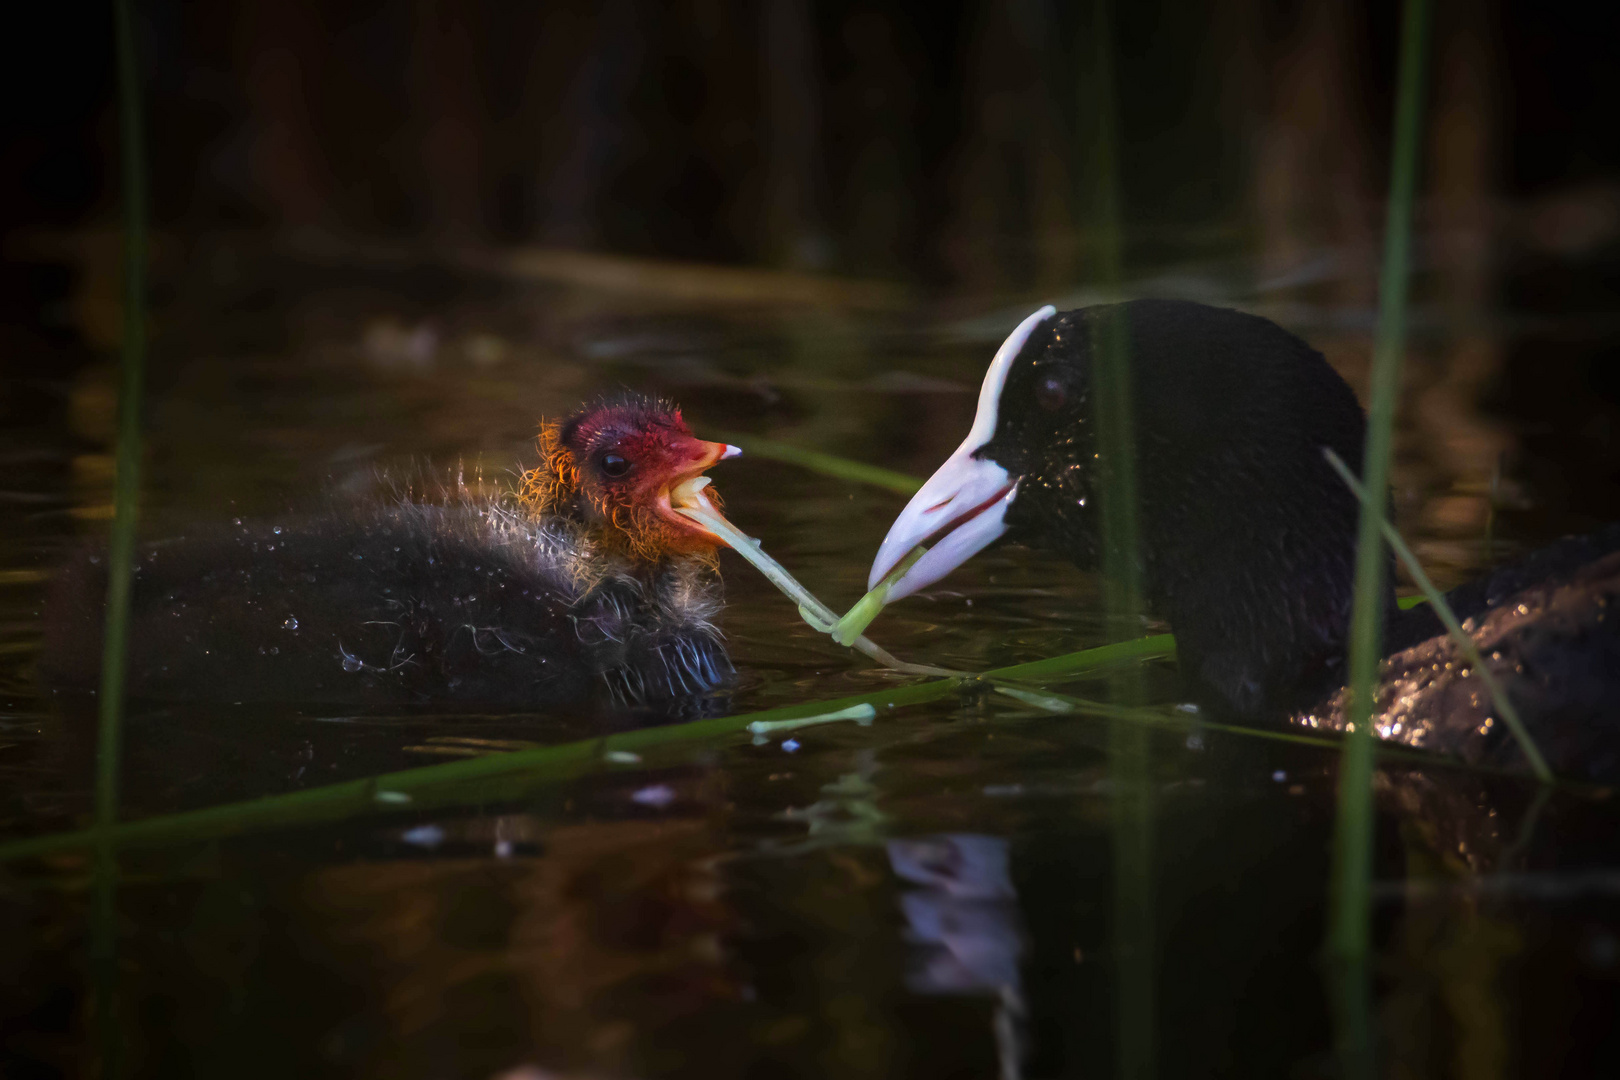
463 599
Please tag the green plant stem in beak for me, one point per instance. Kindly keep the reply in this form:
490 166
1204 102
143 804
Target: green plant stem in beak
867 608
819 616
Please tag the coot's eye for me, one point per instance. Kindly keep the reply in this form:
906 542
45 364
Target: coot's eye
614 465
1050 393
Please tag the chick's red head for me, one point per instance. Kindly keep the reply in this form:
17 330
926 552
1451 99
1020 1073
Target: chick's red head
614 465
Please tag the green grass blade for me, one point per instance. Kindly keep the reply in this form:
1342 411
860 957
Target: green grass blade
1465 642
1157 646
817 615
1160 716
860 616
466 782
1169 717
475 780
1350 919
825 464
497 777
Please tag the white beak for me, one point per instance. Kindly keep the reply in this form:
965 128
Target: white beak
964 504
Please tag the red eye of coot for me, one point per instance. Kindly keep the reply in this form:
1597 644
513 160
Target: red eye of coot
1050 393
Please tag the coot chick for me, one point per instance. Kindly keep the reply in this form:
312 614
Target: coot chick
1248 536
582 585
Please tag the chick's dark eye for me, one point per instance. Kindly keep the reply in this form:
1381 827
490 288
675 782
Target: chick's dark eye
614 465
1050 393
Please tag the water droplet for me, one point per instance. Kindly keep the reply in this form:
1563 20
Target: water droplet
656 795
351 663
790 745
291 623
276 530
428 836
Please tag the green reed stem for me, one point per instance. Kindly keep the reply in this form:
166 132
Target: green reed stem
478 780
1129 745
1153 647
505 776
1465 642
1167 717
121 551
1350 920
126 489
825 464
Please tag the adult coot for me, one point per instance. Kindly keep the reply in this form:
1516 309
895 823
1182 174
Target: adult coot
581 584
1248 537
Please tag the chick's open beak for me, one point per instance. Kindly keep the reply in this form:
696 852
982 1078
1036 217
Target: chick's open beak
703 456
685 487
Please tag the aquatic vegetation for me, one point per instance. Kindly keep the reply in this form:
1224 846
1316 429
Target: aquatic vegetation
690 501
1448 618
1350 927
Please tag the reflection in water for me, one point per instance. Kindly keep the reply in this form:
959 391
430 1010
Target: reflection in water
1454 1000
966 928
482 963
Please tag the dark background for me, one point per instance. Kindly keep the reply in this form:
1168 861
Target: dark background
950 145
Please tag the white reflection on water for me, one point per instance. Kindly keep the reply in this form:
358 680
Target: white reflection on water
966 929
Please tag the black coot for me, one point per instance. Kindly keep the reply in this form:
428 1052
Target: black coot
1248 537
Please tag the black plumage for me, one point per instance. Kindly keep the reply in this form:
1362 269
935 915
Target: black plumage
1248 538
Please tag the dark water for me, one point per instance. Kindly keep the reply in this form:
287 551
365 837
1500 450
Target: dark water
937 894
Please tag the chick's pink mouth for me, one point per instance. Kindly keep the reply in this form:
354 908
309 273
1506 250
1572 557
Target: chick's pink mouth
687 491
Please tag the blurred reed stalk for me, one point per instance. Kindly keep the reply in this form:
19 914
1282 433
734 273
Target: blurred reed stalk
121 548
826 464
1350 918
126 487
1129 749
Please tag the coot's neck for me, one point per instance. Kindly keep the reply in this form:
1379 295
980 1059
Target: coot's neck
1248 536
1260 605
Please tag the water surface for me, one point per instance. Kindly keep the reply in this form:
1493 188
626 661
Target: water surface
936 894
